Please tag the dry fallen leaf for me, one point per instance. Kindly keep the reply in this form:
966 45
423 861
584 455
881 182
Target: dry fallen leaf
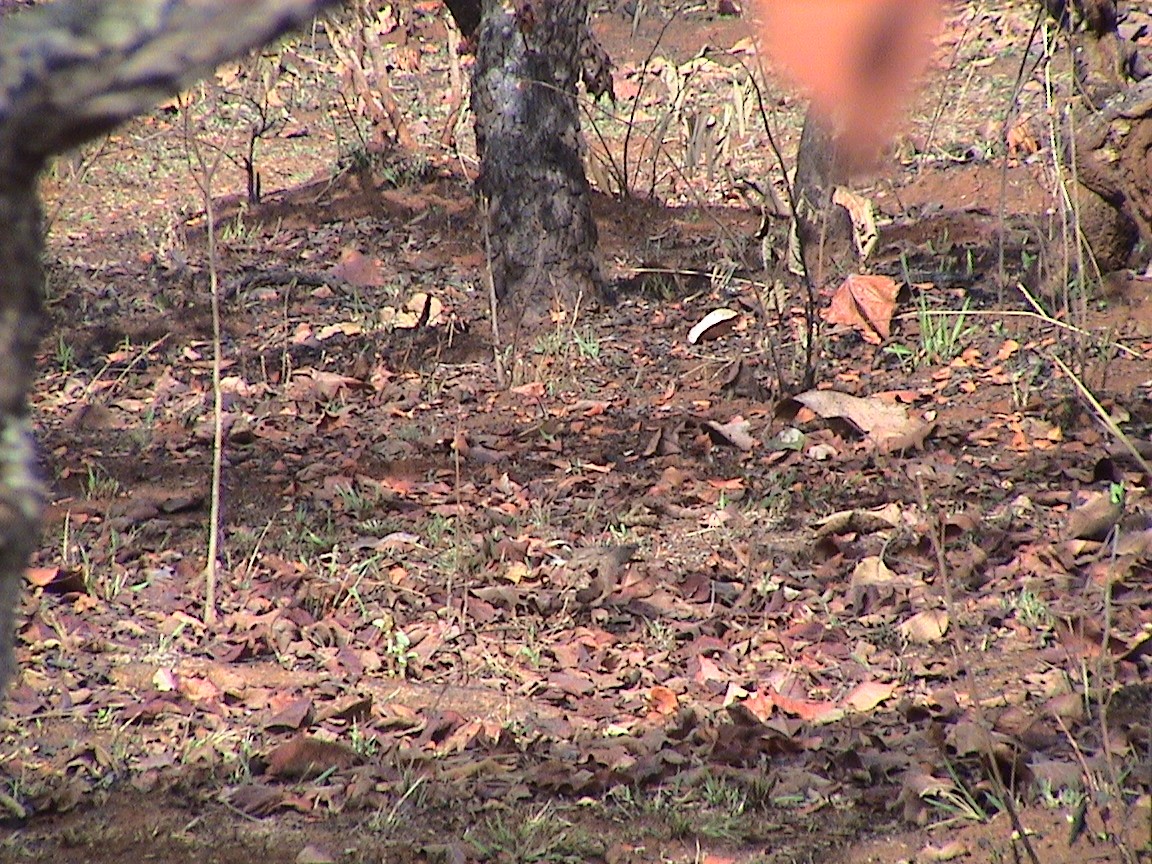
927 626
734 432
887 424
865 303
867 695
862 212
357 269
312 854
256 799
302 758
948 852
717 323
662 701
1093 520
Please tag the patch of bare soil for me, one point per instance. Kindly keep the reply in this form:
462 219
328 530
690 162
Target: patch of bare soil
637 607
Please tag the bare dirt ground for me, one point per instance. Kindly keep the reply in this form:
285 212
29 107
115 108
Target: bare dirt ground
639 606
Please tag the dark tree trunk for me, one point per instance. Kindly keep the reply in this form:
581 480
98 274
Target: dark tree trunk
823 228
466 14
69 71
1114 170
1103 58
1113 143
536 198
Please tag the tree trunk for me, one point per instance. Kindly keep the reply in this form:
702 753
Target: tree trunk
466 14
69 71
823 228
1113 144
536 199
1114 170
1103 58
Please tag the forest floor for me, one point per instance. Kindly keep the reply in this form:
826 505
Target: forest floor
639 605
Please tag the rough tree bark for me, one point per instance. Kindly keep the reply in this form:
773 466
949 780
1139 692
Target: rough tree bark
1112 153
69 71
823 228
530 57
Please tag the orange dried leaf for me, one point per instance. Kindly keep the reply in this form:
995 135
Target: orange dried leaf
302 758
806 709
868 694
662 701
866 303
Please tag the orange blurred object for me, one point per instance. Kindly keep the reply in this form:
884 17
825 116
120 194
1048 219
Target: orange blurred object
859 60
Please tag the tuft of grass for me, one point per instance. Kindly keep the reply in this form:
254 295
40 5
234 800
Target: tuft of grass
98 483
1030 609
943 333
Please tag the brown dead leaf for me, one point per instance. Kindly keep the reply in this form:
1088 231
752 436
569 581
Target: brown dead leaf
312 854
357 269
862 212
340 328
58 580
927 626
865 303
734 433
314 385
917 787
948 852
884 422
303 758
295 715
867 695
1097 517
872 571
862 521
532 390
662 701
714 325
808 709
256 799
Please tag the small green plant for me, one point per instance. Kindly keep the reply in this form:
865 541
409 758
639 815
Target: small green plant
65 355
903 354
587 344
619 532
1030 610
397 648
316 531
356 502
374 526
542 836
167 640
414 789
530 654
365 744
550 344
437 528
661 634
235 230
958 803
942 333
98 483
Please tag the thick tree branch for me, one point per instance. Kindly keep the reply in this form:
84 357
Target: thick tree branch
71 70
